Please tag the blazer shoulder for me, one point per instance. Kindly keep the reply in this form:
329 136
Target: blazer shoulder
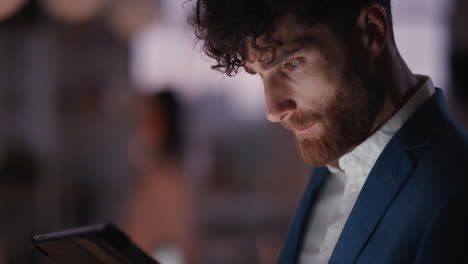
453 142
444 239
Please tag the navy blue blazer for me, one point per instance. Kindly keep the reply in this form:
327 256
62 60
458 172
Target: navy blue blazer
413 206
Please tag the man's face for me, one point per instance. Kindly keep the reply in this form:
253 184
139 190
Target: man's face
318 88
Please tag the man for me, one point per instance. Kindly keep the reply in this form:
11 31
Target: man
391 165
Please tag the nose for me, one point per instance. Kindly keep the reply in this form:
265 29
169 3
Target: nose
279 103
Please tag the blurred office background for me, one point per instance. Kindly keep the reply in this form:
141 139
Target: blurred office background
92 91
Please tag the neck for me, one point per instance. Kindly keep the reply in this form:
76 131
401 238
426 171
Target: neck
399 84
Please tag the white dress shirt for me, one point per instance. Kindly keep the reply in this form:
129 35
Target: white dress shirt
340 190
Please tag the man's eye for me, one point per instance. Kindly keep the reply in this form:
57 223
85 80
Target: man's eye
292 65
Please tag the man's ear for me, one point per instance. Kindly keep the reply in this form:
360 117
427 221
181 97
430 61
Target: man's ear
373 27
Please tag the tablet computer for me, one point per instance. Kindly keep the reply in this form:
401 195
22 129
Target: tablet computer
97 244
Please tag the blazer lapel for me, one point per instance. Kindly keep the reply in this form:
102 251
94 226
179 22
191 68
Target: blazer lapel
383 184
387 177
291 246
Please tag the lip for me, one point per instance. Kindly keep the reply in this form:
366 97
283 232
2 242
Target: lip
304 129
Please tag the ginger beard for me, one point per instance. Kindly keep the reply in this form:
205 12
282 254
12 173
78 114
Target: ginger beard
347 120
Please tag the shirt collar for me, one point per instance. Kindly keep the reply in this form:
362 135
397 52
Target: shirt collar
358 163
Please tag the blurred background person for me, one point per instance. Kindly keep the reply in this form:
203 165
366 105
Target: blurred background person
18 179
159 215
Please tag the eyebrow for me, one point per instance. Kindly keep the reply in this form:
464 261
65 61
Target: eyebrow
277 59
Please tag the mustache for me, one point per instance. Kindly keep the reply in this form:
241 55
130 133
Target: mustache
300 120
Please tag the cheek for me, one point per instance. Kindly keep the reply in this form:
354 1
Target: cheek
316 93
317 83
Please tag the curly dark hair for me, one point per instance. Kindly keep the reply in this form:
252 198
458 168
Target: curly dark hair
225 25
